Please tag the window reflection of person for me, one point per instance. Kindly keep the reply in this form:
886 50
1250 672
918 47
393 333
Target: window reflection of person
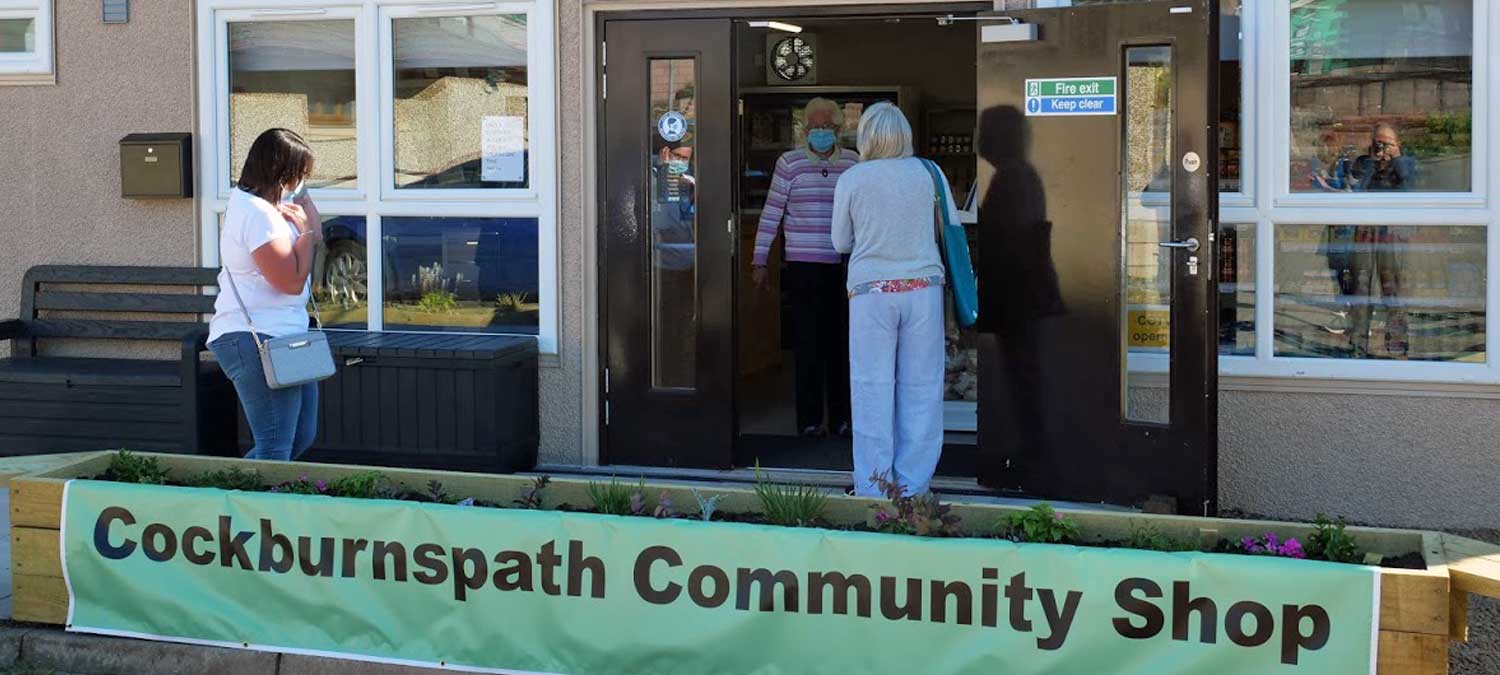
1368 260
674 313
800 207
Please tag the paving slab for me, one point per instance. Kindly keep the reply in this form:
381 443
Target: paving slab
296 664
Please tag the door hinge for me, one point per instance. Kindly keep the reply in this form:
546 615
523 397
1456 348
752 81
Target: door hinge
742 107
606 413
604 87
606 382
603 76
734 246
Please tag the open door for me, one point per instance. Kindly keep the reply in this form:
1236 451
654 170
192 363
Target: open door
1098 198
667 244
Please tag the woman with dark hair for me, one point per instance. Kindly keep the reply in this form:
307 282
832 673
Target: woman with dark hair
266 248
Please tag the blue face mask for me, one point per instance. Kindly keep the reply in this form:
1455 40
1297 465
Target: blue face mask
821 140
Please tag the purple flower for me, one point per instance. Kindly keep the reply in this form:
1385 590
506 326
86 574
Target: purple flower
321 485
882 517
1272 542
1292 549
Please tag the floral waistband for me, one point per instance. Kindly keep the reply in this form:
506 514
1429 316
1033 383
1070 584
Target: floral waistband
896 285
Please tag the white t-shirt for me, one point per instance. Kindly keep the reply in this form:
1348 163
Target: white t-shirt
249 223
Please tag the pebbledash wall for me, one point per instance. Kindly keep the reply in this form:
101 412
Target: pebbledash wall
1385 445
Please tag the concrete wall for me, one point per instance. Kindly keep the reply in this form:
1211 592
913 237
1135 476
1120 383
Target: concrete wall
59 146
1399 460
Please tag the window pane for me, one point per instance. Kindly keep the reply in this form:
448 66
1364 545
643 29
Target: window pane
1381 292
341 274
1230 67
674 222
297 75
1236 290
1381 95
1147 318
461 274
461 100
17 36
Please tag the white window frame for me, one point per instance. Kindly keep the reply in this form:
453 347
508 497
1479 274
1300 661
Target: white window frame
37 66
1267 208
375 197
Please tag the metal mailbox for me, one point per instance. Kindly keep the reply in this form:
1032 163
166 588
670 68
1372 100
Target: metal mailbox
156 166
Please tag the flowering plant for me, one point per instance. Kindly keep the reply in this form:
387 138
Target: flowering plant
1272 545
302 486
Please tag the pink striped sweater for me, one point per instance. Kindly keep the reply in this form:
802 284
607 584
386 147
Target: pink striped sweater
802 199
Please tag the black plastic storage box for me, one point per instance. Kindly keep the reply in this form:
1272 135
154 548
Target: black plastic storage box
456 402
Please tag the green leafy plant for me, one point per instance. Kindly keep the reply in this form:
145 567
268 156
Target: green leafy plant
664 506
362 485
614 498
438 300
531 497
1040 524
436 493
233 478
1151 538
128 467
1329 541
706 507
302 486
794 505
922 515
513 302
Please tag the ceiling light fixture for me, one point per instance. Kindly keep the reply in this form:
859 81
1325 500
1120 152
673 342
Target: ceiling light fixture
777 25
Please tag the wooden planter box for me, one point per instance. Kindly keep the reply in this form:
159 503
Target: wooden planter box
1420 610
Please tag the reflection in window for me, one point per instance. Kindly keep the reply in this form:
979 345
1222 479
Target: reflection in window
674 222
1381 292
461 101
461 274
1231 67
296 75
1236 290
1381 95
1146 322
341 276
17 36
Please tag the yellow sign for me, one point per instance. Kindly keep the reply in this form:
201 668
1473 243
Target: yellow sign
1149 327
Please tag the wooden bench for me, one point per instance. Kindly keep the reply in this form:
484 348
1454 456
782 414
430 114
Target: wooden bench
51 403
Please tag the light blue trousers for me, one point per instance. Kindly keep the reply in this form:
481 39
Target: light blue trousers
896 387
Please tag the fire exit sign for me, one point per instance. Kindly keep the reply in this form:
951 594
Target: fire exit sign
1071 96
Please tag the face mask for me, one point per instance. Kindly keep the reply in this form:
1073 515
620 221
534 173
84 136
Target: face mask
290 193
821 140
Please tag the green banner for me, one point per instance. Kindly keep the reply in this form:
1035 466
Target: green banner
503 590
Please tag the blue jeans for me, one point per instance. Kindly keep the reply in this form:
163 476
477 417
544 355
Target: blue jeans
283 421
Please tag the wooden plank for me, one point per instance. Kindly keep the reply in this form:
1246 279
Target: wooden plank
1411 654
27 465
1458 616
39 599
123 274
127 330
1476 575
465 409
429 403
119 411
442 379
34 552
1414 601
410 408
94 394
1459 548
36 502
160 434
187 303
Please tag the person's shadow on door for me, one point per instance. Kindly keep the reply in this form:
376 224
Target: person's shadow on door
1019 291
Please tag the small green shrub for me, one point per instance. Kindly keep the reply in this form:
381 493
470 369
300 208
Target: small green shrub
614 498
128 467
921 515
436 493
1151 538
233 478
1329 541
1040 524
706 506
363 485
790 505
513 302
302 486
438 300
531 497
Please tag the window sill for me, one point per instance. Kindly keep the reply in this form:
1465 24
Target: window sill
27 79
545 360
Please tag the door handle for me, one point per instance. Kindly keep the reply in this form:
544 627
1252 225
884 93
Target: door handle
1191 244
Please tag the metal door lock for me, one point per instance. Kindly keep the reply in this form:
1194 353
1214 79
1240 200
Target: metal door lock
1192 266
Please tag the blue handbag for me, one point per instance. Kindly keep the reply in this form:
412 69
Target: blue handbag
953 243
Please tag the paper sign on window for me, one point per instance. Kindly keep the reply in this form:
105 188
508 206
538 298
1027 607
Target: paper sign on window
503 145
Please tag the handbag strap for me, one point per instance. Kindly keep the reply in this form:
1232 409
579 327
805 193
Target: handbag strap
249 320
939 207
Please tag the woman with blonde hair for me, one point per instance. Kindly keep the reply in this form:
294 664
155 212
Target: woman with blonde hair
883 216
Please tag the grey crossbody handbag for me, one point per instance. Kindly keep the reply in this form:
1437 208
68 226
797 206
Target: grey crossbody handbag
294 359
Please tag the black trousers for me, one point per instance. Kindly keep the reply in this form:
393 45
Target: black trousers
820 342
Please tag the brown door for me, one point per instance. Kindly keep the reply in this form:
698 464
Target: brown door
1099 197
667 242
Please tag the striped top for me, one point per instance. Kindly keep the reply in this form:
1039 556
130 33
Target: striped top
802 198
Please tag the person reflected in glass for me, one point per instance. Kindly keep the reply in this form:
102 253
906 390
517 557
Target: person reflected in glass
1368 260
800 208
883 216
